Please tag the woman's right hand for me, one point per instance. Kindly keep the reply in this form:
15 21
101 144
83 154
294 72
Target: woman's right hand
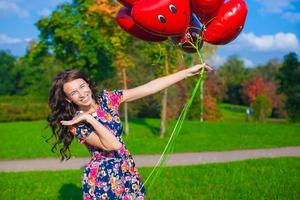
76 119
196 69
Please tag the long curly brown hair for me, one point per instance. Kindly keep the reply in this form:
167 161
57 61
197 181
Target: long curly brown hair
61 109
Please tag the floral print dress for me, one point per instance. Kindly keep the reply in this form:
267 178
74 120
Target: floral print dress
109 174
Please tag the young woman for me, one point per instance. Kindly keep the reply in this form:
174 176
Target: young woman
77 110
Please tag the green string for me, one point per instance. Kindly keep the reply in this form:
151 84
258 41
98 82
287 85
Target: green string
157 170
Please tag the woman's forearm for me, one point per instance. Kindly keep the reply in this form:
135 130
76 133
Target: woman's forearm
109 141
166 81
159 84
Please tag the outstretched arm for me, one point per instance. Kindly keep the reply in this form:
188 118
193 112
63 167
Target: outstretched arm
161 83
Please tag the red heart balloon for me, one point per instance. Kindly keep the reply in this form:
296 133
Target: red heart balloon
128 3
206 9
163 17
126 23
191 36
228 23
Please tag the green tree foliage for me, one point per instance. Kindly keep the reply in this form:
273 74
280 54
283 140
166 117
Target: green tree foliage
289 76
72 33
149 59
36 77
7 73
268 71
262 108
233 73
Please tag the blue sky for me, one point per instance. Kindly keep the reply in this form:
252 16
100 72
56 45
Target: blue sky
272 29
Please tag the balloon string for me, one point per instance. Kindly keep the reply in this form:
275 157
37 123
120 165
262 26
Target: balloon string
156 171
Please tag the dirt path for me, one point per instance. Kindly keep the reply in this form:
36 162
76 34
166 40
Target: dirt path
175 159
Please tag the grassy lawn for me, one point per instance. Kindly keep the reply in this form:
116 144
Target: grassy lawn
25 139
232 112
252 179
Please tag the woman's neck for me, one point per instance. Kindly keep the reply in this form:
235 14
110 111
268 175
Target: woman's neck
89 109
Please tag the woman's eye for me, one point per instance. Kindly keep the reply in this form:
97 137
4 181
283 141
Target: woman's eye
82 85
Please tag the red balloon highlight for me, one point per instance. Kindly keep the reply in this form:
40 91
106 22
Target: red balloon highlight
228 23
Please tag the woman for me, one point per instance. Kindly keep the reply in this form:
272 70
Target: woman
77 110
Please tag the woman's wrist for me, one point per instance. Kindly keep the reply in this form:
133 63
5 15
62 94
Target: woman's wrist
184 73
89 118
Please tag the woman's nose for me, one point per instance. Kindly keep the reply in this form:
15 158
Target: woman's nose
80 93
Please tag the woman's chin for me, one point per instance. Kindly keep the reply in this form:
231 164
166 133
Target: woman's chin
85 104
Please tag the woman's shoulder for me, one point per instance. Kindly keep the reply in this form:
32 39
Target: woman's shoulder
111 98
109 93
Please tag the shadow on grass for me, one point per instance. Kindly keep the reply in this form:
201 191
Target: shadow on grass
70 192
144 122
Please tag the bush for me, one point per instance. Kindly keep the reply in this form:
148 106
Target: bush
19 108
262 108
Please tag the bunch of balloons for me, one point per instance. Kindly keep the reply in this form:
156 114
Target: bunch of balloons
183 21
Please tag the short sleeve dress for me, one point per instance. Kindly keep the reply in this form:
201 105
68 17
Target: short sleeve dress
109 174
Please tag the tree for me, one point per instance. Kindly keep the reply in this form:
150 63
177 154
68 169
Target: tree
289 76
73 34
234 73
165 56
119 40
34 78
7 74
268 71
214 86
253 88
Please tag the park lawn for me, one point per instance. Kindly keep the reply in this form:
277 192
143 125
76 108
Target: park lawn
22 140
237 113
232 113
277 178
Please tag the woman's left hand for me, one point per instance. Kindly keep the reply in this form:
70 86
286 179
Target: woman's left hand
78 118
197 68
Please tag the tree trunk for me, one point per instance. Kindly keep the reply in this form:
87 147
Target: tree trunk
125 104
164 103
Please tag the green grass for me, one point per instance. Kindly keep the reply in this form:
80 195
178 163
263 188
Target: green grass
237 113
232 112
24 139
252 179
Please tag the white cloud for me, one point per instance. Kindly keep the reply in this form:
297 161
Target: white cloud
292 17
44 12
8 7
28 40
247 62
5 39
216 61
276 6
279 42
285 8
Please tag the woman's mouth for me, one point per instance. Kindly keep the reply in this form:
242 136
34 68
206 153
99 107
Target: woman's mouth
85 99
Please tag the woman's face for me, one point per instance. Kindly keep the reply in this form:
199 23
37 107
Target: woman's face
78 91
